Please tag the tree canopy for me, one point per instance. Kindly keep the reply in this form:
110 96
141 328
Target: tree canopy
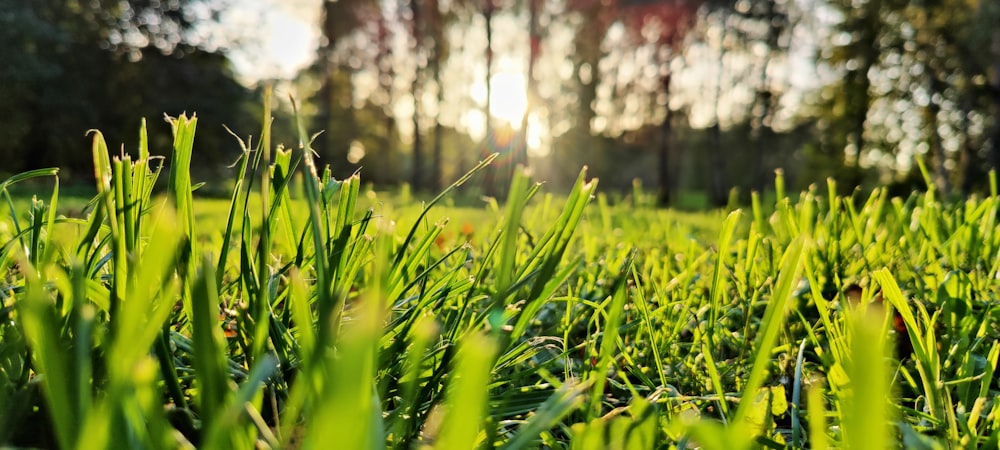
72 66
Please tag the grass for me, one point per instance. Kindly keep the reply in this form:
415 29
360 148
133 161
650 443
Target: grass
307 311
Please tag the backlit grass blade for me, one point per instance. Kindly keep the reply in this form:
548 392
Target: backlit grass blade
817 419
50 223
298 298
41 328
15 220
236 209
103 175
151 302
23 176
652 334
715 378
347 411
342 260
771 323
423 213
179 193
825 311
975 414
609 337
420 338
797 396
132 403
719 276
550 250
925 358
866 416
315 226
520 193
227 425
259 303
209 348
465 401
568 398
180 172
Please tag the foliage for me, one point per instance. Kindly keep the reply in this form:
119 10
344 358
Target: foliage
915 78
71 66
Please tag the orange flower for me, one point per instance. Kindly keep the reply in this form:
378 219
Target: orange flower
440 240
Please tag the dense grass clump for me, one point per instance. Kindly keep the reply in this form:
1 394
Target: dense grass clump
303 319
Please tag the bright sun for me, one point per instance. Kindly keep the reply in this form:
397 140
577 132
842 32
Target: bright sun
508 100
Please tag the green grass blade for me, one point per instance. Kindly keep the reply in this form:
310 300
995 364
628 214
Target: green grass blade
718 276
817 419
41 327
567 399
774 317
609 337
209 348
866 417
465 400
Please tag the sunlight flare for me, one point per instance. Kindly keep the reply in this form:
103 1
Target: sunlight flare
509 98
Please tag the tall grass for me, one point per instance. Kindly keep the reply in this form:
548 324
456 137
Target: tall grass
304 319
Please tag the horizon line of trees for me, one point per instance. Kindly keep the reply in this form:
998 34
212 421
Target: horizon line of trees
685 95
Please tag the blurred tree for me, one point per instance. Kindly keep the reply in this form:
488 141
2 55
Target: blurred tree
29 60
750 44
374 148
592 19
994 13
385 62
916 80
671 22
531 84
335 99
980 48
436 20
490 181
854 51
718 188
417 29
504 138
657 26
771 43
73 66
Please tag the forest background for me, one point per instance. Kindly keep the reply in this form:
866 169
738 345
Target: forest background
697 99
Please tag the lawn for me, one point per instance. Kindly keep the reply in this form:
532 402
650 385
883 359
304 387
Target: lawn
308 312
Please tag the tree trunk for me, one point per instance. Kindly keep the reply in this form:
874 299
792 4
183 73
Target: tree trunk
865 22
387 73
531 87
437 181
587 58
663 156
718 191
416 180
340 129
489 182
969 158
435 22
937 152
995 147
764 101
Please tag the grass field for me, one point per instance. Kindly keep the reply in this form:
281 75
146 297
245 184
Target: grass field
307 312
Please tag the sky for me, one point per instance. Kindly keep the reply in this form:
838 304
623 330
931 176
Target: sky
284 37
